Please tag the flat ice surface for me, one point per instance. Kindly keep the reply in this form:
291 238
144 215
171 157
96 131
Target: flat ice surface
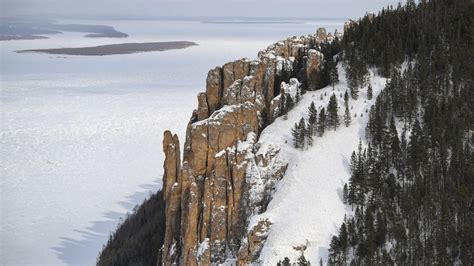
307 207
81 136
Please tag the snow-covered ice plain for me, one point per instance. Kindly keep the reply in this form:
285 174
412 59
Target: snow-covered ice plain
81 136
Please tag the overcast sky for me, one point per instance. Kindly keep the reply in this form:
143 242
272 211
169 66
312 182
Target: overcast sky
242 8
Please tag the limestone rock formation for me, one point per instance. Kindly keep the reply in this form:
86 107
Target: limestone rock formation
225 176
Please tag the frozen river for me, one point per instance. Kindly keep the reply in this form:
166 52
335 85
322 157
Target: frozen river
81 136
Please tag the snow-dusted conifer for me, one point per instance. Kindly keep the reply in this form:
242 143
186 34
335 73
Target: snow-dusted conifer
321 122
347 117
370 92
333 118
302 133
312 118
295 133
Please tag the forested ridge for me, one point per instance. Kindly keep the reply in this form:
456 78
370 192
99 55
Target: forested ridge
412 179
411 191
139 237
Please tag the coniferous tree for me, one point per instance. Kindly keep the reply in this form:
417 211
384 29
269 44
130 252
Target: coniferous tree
295 133
283 106
303 132
345 194
309 137
285 262
354 91
298 94
333 117
347 117
370 92
302 261
312 118
333 75
289 102
322 122
346 99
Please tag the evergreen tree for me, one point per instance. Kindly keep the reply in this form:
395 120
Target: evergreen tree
333 117
308 136
298 94
354 91
303 133
285 262
321 122
283 107
347 117
302 261
289 102
345 194
295 133
333 75
369 92
312 118
346 99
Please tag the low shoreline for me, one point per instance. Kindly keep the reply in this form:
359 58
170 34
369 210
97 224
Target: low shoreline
23 37
115 49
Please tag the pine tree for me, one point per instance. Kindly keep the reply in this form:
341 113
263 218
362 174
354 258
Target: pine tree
345 194
333 117
309 136
289 102
347 117
343 243
283 106
333 75
370 92
302 261
346 98
354 91
347 114
285 262
321 122
298 94
302 133
312 118
295 133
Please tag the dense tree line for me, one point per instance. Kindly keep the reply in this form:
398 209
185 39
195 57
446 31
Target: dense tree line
300 261
316 125
139 237
412 185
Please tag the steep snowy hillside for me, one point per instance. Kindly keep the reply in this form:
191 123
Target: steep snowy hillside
307 208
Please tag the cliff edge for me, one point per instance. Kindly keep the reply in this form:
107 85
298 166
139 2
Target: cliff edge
210 193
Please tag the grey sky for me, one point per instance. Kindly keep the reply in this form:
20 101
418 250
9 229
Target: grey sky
243 8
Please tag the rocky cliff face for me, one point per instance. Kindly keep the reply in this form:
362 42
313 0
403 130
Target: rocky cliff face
224 177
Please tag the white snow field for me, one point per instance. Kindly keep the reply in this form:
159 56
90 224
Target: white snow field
307 207
81 136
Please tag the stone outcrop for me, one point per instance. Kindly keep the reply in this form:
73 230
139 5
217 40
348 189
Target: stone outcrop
253 243
225 176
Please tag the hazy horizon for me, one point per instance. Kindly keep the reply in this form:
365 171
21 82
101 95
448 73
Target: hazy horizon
324 9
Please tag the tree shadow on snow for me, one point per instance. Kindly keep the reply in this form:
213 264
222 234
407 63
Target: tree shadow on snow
85 251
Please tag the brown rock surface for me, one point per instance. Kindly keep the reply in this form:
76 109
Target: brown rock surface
255 240
210 198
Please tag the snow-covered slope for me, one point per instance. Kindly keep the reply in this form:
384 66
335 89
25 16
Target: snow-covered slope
307 207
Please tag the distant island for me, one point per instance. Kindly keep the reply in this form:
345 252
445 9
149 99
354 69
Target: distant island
115 49
21 29
21 37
